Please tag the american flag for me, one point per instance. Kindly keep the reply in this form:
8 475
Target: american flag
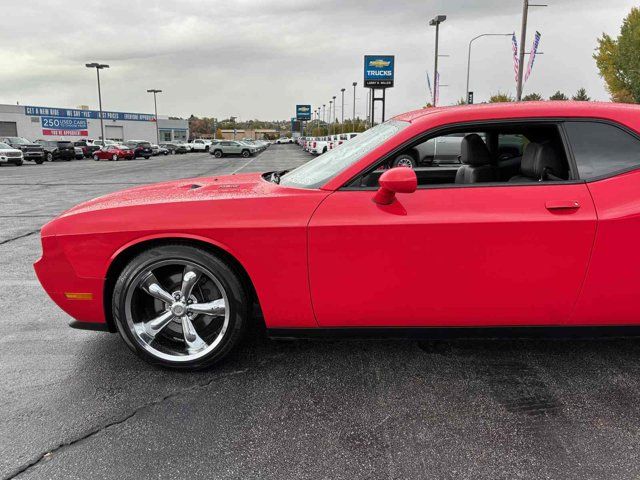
516 62
532 56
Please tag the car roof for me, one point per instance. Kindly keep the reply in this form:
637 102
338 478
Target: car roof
487 111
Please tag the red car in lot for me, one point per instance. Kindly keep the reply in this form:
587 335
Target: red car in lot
114 152
536 223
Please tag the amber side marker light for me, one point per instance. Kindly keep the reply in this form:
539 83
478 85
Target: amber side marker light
78 296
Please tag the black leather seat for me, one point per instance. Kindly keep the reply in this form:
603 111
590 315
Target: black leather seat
541 162
476 161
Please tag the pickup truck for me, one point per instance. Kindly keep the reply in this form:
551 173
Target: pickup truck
319 145
200 145
30 151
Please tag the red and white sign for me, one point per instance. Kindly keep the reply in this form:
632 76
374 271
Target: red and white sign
66 133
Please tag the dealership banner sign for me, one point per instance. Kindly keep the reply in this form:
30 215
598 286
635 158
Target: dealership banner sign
303 112
87 114
379 71
64 127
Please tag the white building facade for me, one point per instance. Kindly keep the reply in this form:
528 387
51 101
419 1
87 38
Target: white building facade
54 123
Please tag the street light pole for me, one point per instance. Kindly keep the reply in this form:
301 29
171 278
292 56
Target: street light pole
342 111
523 39
334 114
330 129
469 56
436 21
98 67
155 105
353 118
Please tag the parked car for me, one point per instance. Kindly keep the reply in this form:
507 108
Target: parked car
79 152
232 147
260 146
319 146
186 145
200 145
57 150
100 143
549 238
115 153
140 148
30 150
87 147
155 150
8 154
284 140
161 150
174 148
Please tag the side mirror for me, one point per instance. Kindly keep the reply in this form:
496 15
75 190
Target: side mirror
396 180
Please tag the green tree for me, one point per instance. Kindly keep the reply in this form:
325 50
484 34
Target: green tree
558 96
461 101
581 96
619 60
532 97
500 98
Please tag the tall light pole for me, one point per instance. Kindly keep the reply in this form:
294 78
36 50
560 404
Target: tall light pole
323 110
155 105
436 21
523 39
342 111
469 56
330 117
353 119
98 67
334 114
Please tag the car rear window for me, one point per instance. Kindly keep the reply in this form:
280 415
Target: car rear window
65 144
144 144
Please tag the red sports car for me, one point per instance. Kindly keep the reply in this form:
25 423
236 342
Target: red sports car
114 152
536 222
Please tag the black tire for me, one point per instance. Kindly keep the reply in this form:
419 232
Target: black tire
206 148
146 158
404 160
218 154
238 299
68 159
39 161
96 157
246 153
49 157
166 153
18 163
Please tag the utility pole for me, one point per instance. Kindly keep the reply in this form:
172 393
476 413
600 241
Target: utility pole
98 67
523 39
436 21
342 111
155 105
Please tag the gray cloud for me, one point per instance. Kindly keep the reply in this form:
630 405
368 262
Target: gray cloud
257 58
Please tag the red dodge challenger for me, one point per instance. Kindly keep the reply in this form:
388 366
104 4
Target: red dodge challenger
114 152
534 222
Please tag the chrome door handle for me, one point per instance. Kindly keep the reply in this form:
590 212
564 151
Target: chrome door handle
562 205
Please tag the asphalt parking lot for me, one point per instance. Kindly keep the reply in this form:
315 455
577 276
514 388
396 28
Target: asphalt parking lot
78 404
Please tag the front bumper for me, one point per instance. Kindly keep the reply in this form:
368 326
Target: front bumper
80 297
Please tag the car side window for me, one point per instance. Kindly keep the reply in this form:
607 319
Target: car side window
601 149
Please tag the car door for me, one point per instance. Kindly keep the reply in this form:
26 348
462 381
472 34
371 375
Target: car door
451 256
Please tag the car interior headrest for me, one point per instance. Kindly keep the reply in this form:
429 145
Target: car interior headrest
474 151
542 162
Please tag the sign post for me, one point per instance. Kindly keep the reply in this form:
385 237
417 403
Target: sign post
470 99
303 114
379 71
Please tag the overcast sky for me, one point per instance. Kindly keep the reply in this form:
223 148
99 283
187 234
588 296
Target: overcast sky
257 59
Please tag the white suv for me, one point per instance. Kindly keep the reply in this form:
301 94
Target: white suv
200 145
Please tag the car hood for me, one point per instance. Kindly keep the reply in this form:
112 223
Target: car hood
227 187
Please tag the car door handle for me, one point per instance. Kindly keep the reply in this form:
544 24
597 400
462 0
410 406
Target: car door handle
562 205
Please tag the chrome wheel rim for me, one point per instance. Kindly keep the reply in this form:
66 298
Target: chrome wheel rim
404 162
177 310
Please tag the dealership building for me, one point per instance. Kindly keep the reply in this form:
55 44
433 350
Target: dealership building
54 123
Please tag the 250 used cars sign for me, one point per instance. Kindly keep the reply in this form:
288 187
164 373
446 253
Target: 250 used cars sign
379 71
63 127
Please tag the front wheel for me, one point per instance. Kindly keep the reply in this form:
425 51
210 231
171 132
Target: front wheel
96 158
39 161
146 158
246 153
114 158
217 154
404 161
180 307
49 157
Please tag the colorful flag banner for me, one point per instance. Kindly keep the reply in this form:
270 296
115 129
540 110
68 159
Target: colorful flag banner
436 86
429 85
532 55
516 62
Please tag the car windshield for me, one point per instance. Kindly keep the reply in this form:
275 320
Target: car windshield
18 140
318 171
4 146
